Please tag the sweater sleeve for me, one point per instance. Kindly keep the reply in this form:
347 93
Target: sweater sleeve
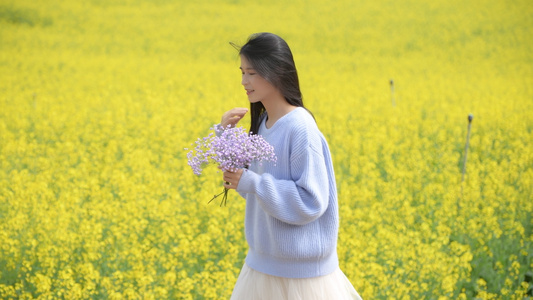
299 200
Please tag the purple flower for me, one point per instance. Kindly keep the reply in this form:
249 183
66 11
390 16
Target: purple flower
232 148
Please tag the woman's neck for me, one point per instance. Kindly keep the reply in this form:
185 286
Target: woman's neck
276 108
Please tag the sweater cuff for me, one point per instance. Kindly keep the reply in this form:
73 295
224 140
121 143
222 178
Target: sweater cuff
218 129
247 182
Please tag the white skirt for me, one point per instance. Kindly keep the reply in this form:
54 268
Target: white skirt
254 285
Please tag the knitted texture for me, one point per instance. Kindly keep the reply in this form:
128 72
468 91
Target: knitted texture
292 219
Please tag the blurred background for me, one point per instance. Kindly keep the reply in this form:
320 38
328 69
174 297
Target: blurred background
99 99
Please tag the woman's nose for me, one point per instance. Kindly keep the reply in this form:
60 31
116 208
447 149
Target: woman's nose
244 80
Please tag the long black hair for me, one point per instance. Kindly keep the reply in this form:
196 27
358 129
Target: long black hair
272 59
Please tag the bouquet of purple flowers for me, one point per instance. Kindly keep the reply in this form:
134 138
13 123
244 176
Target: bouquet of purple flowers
232 149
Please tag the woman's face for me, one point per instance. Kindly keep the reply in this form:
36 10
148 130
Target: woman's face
257 88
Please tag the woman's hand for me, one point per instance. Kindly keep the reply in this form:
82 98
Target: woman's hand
232 117
231 179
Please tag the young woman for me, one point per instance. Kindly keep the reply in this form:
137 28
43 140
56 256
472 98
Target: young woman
292 219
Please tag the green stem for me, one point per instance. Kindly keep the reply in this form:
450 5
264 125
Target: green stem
224 198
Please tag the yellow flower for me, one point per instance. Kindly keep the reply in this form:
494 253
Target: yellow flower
98 100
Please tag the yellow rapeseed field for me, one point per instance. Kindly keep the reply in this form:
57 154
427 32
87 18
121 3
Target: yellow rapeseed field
99 98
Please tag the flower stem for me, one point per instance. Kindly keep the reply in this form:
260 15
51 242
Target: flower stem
224 198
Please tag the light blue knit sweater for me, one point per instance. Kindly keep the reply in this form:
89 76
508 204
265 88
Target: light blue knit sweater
292 218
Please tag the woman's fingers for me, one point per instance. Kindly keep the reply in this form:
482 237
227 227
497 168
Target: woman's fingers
233 116
231 179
